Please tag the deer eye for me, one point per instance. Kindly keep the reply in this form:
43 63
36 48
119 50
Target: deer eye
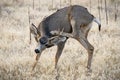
43 40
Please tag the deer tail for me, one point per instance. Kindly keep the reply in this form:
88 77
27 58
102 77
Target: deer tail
98 22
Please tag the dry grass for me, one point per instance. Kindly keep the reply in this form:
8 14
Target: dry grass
17 56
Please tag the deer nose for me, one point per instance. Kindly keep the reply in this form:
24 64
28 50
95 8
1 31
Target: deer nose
37 51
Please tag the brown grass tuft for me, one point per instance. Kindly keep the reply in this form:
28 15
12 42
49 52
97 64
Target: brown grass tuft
17 56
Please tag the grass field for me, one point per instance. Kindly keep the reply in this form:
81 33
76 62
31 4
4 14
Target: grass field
17 55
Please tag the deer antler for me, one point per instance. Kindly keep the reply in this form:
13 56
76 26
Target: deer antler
61 34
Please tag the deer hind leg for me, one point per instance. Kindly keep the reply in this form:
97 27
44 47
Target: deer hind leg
75 27
90 54
89 48
60 48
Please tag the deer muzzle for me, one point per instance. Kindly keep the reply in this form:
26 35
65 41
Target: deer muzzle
39 49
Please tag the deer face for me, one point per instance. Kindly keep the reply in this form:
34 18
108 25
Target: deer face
45 42
41 45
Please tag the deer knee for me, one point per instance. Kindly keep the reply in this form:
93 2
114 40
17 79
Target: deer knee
91 49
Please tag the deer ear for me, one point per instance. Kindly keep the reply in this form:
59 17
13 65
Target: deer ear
33 29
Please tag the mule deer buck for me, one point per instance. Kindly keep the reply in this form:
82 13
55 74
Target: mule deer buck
72 21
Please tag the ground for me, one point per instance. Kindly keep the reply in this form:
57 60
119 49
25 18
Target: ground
17 55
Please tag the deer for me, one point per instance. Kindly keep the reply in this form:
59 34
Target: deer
73 21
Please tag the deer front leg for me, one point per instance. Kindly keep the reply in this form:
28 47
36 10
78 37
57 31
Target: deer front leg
60 48
35 63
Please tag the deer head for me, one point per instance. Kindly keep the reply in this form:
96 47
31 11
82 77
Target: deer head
45 41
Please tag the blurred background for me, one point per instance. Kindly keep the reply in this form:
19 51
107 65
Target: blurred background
17 55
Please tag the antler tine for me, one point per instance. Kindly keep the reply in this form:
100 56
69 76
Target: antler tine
62 34
56 33
62 31
52 37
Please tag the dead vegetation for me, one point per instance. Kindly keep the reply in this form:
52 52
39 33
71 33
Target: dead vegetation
17 56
